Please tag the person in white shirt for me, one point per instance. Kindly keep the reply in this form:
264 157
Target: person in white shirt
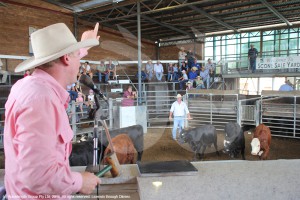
4 74
159 70
179 110
212 70
87 69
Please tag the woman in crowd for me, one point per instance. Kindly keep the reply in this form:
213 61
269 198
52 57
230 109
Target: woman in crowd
128 97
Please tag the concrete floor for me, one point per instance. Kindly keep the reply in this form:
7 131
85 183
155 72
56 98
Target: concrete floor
274 179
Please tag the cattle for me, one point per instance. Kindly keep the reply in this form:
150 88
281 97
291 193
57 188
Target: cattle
135 133
123 148
234 141
82 153
199 138
261 141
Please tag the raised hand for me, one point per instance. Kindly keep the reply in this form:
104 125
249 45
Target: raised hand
91 34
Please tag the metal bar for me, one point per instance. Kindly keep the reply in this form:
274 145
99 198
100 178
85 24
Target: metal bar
295 115
73 119
202 12
183 4
110 109
272 9
139 52
210 97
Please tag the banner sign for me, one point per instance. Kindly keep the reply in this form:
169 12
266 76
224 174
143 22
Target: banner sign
278 62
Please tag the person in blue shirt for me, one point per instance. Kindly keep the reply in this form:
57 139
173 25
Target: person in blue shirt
175 72
252 55
197 65
204 73
287 86
193 74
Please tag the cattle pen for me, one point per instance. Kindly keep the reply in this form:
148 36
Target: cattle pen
279 110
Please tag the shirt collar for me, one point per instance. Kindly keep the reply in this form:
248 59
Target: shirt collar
61 92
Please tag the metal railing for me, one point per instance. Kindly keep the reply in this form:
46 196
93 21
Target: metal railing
216 107
281 113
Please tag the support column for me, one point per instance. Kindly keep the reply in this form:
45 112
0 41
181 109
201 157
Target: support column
139 53
75 25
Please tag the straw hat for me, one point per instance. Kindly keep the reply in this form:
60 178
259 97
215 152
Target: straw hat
194 68
178 96
189 82
52 42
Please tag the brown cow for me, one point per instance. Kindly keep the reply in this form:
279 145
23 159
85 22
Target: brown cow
261 141
124 148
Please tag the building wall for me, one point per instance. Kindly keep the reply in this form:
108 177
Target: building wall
171 52
19 15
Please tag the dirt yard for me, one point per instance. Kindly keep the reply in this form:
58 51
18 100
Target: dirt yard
159 146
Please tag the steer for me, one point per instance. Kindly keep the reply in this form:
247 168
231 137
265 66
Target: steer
234 141
123 148
82 153
135 133
261 141
199 138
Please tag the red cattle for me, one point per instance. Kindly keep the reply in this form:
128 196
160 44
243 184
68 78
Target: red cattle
261 141
124 148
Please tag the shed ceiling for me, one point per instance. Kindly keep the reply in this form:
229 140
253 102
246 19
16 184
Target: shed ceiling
174 19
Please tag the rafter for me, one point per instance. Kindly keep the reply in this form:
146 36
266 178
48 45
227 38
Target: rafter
272 9
202 12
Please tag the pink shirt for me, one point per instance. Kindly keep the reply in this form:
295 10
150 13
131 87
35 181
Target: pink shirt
37 139
127 101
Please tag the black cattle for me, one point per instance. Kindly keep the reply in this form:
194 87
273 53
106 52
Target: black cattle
199 138
82 153
234 142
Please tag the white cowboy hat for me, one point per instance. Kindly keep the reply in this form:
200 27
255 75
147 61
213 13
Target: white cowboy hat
178 96
52 42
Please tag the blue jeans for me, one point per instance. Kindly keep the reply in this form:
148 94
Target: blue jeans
100 76
200 86
108 75
178 121
159 75
169 75
149 76
175 76
182 83
207 82
253 65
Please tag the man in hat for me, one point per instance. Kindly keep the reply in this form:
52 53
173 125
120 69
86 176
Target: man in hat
181 56
37 134
193 74
196 65
149 70
179 110
183 79
252 55
159 70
